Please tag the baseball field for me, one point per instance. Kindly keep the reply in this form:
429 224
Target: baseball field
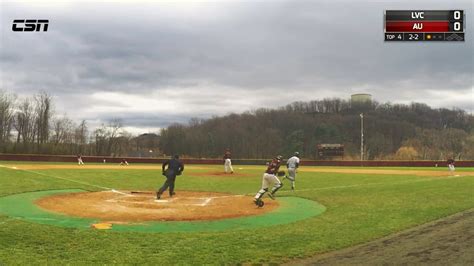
60 213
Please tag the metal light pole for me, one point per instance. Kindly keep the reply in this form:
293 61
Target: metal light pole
361 136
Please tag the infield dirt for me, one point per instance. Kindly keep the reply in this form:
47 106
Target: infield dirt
128 207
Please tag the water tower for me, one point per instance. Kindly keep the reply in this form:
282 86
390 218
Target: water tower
361 98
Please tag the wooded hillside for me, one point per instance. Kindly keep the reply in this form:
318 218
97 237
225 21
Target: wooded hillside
392 131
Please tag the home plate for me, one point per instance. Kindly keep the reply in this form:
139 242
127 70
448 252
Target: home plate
162 200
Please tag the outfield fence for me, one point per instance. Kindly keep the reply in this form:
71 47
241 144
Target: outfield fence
100 159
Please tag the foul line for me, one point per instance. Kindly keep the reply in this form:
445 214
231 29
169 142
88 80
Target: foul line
66 179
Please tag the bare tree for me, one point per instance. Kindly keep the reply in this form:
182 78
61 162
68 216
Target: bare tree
113 131
43 115
63 131
80 137
106 138
25 124
7 103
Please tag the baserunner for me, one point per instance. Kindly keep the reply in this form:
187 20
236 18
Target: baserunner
292 164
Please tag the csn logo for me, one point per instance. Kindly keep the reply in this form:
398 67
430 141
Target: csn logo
30 25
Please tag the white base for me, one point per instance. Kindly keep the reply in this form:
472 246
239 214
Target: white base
161 200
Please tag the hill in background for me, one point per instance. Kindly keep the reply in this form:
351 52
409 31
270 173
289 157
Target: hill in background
391 131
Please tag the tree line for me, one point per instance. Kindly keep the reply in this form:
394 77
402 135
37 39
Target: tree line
30 126
391 131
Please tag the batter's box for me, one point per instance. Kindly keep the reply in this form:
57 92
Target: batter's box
186 201
131 200
146 199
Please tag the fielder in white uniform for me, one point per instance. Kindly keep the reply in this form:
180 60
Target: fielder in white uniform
227 162
451 165
79 160
292 164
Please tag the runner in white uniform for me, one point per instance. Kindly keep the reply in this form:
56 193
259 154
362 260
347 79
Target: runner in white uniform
292 164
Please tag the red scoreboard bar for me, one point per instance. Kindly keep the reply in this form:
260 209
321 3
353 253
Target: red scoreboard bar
424 25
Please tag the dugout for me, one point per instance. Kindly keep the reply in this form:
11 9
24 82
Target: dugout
330 151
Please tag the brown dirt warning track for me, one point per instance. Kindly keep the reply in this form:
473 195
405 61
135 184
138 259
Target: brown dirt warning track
432 173
137 207
95 166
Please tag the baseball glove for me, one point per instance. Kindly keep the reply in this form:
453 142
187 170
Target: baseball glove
281 173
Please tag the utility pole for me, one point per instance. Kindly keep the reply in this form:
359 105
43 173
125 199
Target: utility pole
361 136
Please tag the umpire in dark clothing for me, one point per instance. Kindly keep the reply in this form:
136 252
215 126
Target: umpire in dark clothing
175 168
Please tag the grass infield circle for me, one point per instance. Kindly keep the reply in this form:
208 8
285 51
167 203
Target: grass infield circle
291 209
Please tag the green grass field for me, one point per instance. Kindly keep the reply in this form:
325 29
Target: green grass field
360 207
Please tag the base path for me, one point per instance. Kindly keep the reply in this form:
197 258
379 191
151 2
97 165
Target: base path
285 210
449 241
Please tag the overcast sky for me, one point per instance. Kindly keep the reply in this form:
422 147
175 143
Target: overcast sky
152 64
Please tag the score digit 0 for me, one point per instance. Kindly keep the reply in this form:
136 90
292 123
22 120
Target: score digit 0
456 20
457 26
457 15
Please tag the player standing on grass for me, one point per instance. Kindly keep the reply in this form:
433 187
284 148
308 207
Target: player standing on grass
451 165
175 168
269 178
79 160
292 164
228 162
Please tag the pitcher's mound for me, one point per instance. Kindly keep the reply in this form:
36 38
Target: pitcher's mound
135 207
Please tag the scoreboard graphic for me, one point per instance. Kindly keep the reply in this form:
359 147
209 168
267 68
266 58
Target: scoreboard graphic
424 25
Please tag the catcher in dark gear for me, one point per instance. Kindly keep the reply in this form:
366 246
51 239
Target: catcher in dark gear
175 168
269 178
